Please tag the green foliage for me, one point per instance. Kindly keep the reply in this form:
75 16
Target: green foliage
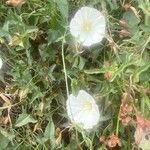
32 37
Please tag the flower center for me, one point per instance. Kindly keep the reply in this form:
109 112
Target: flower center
87 106
87 26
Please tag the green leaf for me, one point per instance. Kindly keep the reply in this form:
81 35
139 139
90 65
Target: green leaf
76 62
120 70
3 142
36 93
131 19
50 133
24 119
53 36
112 68
147 101
144 76
113 4
81 63
74 86
145 6
29 29
8 135
95 71
139 71
6 26
4 33
63 7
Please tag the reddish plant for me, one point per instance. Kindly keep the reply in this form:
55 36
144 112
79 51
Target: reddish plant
126 109
111 141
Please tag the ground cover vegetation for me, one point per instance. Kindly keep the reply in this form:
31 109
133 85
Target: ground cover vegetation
43 64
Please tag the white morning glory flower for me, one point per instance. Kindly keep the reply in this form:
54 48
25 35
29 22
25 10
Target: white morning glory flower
83 110
88 26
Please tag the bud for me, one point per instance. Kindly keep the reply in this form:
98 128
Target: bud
14 3
124 33
58 136
127 6
123 23
108 75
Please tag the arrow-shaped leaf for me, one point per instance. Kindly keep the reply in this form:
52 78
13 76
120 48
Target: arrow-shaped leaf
24 119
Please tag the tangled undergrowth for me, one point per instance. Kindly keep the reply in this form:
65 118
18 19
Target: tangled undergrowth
34 39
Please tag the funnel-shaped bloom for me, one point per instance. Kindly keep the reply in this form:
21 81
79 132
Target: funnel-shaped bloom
83 110
88 26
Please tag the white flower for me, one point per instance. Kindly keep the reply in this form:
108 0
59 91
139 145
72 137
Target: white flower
1 63
83 110
88 26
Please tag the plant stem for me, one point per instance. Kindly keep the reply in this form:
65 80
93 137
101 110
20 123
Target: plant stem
64 68
117 127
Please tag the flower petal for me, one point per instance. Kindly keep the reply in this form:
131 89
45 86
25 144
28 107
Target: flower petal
72 107
84 96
